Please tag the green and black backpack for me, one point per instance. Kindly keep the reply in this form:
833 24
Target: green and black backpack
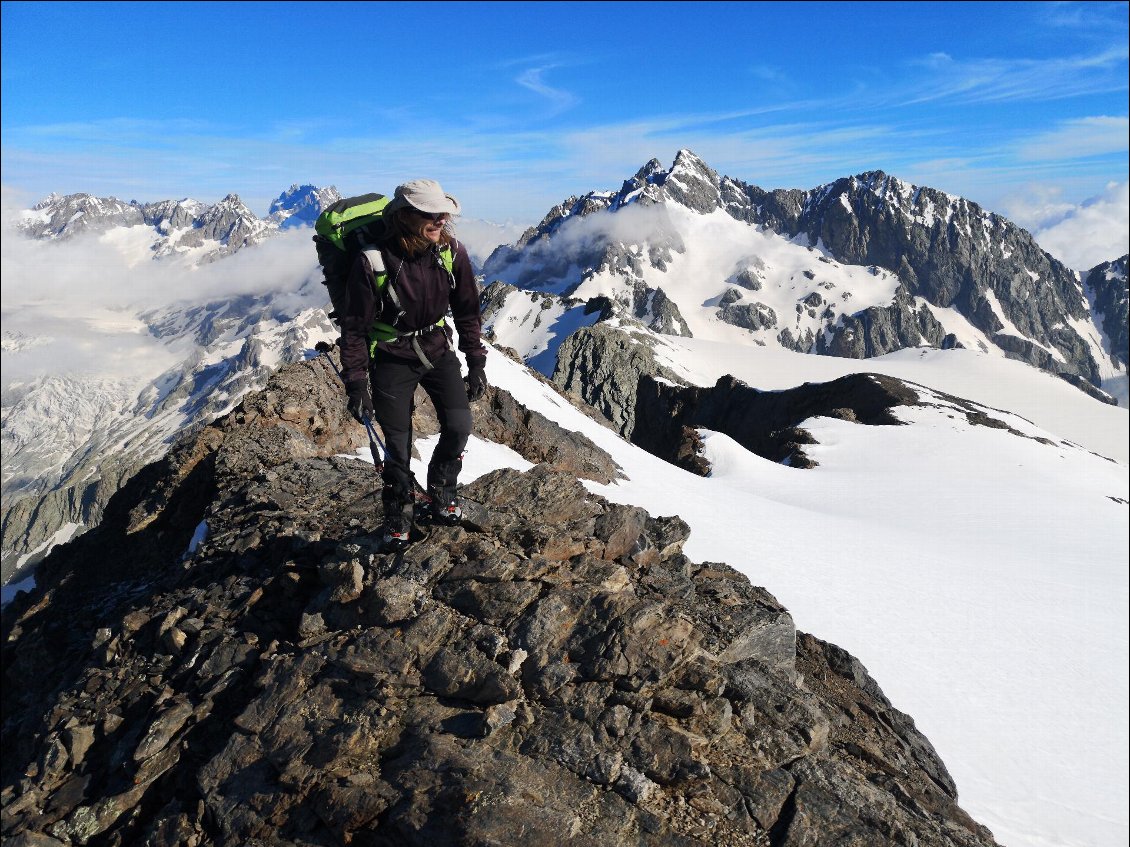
346 229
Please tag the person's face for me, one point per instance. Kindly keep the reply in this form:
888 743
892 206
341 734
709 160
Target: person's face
431 224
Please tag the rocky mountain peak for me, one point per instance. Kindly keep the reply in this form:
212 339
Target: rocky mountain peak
649 171
692 183
58 217
53 197
169 215
232 201
687 162
300 205
876 181
230 658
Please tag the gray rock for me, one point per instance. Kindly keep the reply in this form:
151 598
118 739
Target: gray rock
752 316
1106 287
603 367
559 669
882 329
750 277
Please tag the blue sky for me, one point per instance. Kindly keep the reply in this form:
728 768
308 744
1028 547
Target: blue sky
515 106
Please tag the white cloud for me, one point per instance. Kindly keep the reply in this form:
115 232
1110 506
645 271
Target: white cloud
482 237
1015 80
108 276
1081 235
559 99
83 296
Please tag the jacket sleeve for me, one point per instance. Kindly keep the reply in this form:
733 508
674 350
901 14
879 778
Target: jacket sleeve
465 309
355 323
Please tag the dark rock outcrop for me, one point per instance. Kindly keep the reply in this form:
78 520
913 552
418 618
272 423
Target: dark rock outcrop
764 422
617 374
1107 287
603 365
883 329
555 671
733 310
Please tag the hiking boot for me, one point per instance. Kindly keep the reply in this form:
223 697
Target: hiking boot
433 510
394 541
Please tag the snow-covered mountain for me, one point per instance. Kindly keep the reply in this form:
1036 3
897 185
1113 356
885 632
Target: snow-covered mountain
859 267
194 231
300 205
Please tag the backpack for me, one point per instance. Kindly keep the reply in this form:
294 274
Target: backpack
346 229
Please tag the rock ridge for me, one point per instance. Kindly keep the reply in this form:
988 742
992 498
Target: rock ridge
228 658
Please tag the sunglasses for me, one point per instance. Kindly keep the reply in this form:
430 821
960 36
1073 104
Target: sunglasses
432 216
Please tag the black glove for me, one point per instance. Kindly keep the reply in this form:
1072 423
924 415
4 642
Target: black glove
476 381
360 401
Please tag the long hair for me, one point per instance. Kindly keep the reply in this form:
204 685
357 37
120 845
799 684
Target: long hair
406 230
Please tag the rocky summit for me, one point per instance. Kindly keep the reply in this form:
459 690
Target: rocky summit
229 658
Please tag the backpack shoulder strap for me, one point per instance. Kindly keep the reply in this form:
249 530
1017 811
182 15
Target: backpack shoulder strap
376 263
447 259
381 282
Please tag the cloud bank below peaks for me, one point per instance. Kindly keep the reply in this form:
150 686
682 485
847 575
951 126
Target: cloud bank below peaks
75 307
1079 235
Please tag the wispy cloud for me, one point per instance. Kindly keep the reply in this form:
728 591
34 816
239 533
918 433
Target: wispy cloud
533 80
1079 138
983 81
1100 18
121 130
768 73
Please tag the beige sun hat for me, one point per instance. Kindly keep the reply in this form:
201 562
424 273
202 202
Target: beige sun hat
424 195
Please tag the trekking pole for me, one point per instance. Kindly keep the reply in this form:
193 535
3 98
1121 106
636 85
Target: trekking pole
376 446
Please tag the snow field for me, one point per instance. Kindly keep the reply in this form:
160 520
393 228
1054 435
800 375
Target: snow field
980 576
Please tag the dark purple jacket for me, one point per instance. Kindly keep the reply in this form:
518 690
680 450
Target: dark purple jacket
425 291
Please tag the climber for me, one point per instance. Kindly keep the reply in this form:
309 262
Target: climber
395 337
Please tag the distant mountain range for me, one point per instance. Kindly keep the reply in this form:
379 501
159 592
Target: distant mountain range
186 227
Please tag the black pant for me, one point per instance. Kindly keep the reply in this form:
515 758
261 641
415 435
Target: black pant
394 382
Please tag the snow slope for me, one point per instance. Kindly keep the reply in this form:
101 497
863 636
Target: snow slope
985 378
980 576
